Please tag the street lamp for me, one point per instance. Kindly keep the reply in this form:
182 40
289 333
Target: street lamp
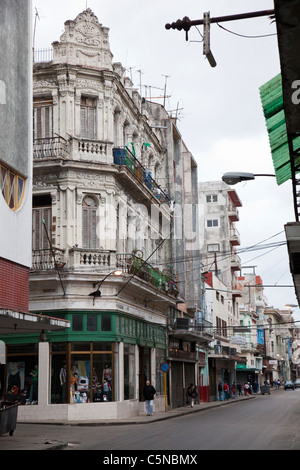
97 293
236 177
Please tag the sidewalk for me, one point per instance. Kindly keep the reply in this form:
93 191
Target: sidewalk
43 436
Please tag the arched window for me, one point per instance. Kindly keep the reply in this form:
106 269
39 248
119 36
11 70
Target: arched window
12 187
89 223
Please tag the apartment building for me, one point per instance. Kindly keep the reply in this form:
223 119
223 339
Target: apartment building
110 172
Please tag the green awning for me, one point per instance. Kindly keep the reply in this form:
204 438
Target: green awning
272 103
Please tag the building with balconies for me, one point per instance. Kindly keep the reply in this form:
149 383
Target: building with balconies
252 321
104 250
279 334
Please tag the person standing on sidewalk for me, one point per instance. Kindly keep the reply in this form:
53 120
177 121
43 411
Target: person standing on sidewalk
149 392
233 390
226 391
220 391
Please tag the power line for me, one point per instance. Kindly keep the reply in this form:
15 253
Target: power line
245 36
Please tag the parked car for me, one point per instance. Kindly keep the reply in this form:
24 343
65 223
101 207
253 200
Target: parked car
289 385
297 383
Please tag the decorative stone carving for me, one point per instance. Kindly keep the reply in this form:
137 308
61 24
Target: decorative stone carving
84 42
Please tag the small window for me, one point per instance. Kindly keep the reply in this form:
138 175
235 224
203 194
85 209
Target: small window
92 323
212 198
105 323
77 322
213 248
212 223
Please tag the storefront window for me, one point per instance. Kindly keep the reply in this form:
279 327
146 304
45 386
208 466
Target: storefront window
58 368
22 374
129 371
87 373
80 378
102 378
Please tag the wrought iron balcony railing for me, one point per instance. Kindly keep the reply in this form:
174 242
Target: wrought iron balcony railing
124 157
132 264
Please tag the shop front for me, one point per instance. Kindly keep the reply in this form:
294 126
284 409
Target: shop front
79 379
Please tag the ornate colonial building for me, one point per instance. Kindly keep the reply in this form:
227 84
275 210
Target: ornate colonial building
114 198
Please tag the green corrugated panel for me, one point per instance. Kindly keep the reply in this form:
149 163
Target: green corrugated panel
272 102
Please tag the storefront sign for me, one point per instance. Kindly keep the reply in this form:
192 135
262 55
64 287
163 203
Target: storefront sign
238 340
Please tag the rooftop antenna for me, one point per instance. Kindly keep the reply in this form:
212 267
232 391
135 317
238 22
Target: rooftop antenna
140 72
165 92
34 30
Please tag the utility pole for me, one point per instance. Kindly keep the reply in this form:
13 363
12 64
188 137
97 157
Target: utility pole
186 24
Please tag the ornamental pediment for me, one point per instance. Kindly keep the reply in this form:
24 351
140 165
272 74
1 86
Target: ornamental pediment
84 42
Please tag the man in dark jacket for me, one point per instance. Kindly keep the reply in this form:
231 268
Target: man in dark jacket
149 392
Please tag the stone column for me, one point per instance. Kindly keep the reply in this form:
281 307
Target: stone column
121 371
44 371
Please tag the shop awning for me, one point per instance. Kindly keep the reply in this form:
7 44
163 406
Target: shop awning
272 102
12 322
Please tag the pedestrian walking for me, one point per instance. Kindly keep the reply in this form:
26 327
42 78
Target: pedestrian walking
191 394
149 392
233 390
239 389
220 391
278 383
226 391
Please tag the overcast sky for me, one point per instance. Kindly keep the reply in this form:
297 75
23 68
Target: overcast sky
219 109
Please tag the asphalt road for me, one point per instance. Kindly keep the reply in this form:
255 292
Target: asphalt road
267 422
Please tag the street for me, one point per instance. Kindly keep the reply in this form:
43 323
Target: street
267 422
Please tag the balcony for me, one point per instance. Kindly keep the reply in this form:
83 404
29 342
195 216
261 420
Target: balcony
50 148
234 237
124 158
131 264
192 330
47 259
235 262
86 259
233 214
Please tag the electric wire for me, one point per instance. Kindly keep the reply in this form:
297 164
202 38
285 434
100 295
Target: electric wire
245 36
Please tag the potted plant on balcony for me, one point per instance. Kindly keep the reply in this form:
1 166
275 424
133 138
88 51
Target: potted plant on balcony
136 261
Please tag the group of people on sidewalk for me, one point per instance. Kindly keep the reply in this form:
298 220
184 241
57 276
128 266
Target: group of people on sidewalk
239 389
236 390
